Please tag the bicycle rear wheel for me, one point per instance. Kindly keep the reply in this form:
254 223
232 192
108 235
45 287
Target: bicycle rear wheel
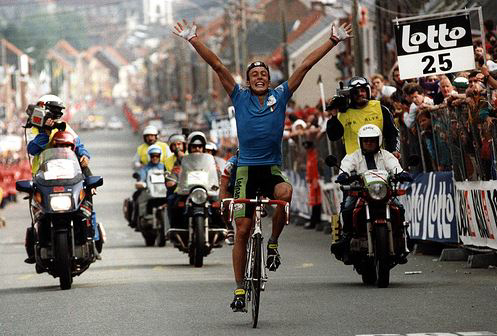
255 283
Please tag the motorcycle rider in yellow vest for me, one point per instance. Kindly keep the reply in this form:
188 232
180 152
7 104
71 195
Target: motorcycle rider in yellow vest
150 137
362 110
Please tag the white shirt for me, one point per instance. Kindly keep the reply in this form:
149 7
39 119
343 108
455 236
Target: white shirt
410 117
357 162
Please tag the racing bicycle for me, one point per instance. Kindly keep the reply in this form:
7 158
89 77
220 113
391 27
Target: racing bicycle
255 267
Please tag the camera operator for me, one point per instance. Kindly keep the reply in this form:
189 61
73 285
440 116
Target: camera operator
356 110
45 124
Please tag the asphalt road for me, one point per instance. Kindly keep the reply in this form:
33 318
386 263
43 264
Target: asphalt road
137 290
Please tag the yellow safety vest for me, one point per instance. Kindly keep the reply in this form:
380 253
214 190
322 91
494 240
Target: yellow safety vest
353 119
170 161
142 152
35 163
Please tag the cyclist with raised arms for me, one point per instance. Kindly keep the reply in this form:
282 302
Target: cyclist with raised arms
260 116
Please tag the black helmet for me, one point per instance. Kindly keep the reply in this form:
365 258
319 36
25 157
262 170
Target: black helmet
357 82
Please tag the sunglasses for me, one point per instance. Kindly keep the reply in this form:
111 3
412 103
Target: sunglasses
155 155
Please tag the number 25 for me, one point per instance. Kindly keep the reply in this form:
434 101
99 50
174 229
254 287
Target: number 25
445 64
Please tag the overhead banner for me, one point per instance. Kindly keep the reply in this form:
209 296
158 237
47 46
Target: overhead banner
430 208
477 213
433 47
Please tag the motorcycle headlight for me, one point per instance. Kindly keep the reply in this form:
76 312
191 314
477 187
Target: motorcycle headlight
377 191
60 203
198 196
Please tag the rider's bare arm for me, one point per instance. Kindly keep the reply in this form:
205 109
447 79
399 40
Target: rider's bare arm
188 32
336 36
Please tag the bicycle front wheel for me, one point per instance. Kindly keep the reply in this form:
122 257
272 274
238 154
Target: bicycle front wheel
256 280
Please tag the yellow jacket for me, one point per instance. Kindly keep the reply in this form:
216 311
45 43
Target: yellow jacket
353 119
141 152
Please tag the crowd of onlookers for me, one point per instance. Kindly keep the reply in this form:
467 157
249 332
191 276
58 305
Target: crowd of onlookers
447 120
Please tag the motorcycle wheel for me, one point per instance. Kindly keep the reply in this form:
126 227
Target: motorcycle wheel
99 243
369 273
149 237
63 260
256 279
199 241
161 231
381 257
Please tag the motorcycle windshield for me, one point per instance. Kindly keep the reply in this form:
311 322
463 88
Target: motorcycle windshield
58 165
198 169
375 176
156 183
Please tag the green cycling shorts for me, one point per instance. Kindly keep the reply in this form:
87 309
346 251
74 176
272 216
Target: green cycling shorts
251 178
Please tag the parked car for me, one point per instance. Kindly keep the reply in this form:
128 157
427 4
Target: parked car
114 123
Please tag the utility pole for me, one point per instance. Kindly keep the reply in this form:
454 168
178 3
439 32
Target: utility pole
234 36
243 8
284 37
358 56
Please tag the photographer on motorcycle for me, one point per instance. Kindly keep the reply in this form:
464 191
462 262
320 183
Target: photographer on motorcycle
356 110
53 106
368 156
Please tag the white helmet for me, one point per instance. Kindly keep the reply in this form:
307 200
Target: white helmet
150 130
52 103
196 138
153 149
50 98
369 131
211 146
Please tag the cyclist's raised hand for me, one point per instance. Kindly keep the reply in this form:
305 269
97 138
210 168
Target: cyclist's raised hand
185 30
341 33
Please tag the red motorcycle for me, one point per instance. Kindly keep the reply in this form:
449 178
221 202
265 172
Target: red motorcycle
379 231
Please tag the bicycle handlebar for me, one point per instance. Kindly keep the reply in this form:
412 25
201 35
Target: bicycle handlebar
257 201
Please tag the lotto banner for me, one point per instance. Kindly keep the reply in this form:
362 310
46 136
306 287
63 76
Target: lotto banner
430 208
433 47
477 213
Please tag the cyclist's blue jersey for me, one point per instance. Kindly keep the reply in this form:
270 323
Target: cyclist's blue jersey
260 128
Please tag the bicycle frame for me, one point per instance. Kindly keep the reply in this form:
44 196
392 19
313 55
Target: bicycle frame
256 230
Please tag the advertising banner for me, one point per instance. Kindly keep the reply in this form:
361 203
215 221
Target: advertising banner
477 213
430 208
433 47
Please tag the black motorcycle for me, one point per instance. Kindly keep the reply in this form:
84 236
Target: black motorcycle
63 232
198 190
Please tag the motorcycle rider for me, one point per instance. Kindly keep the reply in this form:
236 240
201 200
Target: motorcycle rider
42 138
196 144
370 155
361 111
150 137
154 154
177 147
65 139
141 158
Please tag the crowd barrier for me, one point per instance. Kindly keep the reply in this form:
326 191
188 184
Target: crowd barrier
133 122
453 198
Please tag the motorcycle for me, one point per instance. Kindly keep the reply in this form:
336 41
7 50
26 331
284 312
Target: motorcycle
198 194
379 232
63 233
152 216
